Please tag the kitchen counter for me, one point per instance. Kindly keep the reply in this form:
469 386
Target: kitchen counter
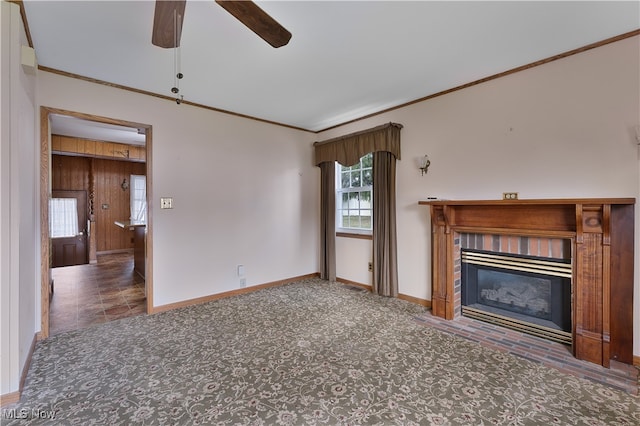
129 224
139 244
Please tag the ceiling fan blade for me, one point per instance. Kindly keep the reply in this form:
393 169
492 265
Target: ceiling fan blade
258 21
167 23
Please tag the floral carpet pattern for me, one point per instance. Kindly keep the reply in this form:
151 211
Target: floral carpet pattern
306 353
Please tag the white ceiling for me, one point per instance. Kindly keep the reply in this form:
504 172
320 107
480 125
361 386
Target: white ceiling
77 127
344 61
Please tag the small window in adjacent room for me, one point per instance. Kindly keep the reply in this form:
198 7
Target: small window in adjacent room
63 217
354 197
138 199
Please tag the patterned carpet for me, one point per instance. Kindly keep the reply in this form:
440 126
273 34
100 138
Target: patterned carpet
312 353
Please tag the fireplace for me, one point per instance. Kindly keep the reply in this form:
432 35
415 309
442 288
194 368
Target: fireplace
600 234
528 293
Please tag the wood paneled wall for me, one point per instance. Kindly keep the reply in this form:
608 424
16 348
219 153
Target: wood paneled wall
70 173
90 148
76 173
108 175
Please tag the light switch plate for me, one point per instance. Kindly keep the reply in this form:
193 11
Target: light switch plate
166 203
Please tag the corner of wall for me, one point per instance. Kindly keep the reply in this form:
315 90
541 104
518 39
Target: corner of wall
19 256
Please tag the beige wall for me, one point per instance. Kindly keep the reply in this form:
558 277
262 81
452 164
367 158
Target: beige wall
564 129
244 192
19 220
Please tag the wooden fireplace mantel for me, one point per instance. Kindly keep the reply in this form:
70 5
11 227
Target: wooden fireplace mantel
601 231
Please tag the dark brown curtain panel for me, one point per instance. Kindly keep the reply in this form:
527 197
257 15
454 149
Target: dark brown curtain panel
328 220
385 257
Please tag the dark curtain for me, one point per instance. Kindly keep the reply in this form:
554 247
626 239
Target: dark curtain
328 220
385 262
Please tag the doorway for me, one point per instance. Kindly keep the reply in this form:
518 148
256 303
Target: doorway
52 251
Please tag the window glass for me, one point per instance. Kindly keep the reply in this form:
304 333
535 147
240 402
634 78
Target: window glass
139 199
354 196
63 217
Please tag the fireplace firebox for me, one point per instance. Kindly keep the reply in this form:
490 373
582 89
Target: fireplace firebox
527 293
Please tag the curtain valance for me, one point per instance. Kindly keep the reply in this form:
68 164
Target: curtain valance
348 149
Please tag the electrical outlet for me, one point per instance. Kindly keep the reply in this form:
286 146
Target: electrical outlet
509 195
243 282
166 203
370 266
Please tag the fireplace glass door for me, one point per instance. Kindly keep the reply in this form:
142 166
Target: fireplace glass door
527 293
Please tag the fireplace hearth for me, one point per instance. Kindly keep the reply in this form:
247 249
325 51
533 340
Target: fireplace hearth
526 293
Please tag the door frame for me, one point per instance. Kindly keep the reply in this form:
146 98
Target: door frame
45 194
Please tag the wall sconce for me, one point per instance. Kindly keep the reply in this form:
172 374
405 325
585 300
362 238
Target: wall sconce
124 185
423 164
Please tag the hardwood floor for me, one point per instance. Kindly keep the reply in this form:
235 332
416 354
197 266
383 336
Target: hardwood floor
85 295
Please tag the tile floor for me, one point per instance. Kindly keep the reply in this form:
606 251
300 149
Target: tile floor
551 354
85 295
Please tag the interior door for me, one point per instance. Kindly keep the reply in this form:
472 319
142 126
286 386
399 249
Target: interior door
68 233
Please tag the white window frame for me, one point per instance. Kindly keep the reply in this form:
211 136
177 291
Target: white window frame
361 207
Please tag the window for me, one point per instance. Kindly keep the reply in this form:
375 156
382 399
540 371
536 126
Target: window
138 199
354 196
63 217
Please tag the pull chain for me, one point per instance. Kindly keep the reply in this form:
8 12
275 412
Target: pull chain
176 60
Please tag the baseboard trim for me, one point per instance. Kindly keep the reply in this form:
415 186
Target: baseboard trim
205 299
13 397
9 398
636 361
27 362
116 251
416 300
354 283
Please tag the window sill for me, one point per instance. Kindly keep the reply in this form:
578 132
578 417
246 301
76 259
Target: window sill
354 235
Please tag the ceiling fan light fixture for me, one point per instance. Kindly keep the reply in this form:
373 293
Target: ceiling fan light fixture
167 28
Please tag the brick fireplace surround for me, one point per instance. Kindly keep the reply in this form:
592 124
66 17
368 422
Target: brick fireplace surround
597 234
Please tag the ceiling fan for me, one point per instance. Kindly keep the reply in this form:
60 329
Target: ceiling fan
167 22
